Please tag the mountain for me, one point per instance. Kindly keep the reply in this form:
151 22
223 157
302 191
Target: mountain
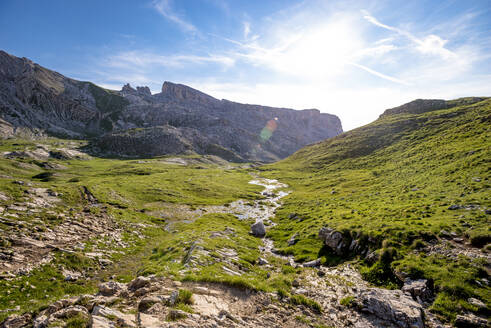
133 122
407 194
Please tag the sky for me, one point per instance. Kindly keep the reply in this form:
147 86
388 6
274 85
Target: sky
353 59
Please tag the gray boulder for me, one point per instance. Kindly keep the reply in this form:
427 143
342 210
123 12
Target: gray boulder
391 307
258 229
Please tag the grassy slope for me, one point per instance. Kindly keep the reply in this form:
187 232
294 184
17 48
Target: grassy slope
394 180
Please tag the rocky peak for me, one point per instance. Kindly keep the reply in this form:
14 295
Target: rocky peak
144 91
128 89
183 92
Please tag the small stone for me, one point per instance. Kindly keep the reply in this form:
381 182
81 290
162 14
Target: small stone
293 239
312 264
262 261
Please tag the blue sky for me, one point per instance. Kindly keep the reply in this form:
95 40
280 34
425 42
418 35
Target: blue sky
350 58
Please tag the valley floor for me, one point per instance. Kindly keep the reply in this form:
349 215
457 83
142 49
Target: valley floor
167 242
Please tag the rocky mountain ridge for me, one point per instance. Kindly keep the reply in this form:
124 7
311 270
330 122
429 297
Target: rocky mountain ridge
177 120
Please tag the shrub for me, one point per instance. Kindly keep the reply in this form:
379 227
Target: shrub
347 301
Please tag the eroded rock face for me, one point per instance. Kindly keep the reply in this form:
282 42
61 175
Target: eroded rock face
133 122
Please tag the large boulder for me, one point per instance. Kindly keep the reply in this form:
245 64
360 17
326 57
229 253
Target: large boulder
391 307
258 229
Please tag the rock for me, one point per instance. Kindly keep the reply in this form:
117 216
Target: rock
295 283
121 319
71 312
454 207
419 289
175 314
16 321
258 229
172 299
391 306
470 321
445 234
321 273
60 304
332 239
71 275
111 288
138 283
262 261
477 303
372 257
312 264
148 302
101 322
41 321
148 321
293 239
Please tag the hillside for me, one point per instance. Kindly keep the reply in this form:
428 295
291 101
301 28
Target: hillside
134 123
410 196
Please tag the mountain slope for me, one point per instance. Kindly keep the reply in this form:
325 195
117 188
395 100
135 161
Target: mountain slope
409 194
177 120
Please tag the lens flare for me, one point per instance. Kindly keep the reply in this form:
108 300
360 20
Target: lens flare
267 131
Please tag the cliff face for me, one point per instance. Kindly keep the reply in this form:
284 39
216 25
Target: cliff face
133 122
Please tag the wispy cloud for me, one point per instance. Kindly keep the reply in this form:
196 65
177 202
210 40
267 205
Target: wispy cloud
146 59
431 44
165 9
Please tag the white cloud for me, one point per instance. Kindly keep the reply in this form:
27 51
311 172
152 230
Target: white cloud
164 8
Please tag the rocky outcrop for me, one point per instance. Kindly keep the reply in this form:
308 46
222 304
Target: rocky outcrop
133 122
391 306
